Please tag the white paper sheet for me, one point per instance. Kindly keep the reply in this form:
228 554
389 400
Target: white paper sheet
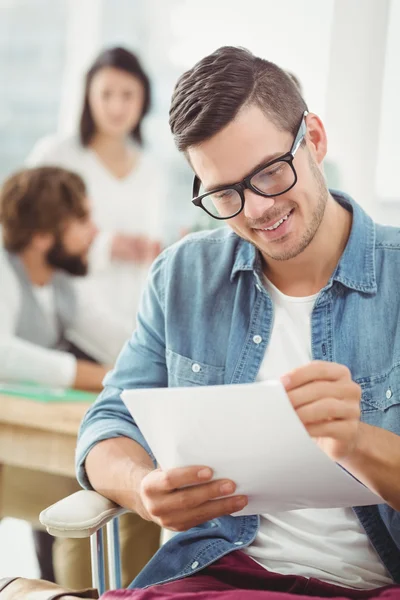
251 434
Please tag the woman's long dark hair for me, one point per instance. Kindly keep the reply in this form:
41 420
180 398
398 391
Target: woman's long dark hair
122 59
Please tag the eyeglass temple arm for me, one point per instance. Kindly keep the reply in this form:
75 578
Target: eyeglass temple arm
196 186
300 134
299 138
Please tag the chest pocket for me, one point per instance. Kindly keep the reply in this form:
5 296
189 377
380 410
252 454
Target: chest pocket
381 393
183 371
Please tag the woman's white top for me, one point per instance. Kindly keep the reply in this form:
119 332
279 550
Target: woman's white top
132 205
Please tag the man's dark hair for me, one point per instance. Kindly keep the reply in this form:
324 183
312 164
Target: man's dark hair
123 60
39 200
210 95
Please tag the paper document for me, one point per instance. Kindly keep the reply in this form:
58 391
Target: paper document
251 434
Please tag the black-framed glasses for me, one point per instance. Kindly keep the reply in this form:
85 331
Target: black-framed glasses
272 179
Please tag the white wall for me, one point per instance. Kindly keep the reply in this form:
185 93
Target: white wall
337 48
387 184
83 28
354 96
295 34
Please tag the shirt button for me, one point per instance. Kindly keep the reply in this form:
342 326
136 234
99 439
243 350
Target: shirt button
194 565
257 339
388 394
238 543
196 367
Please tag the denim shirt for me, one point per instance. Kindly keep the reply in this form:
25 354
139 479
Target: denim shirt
205 305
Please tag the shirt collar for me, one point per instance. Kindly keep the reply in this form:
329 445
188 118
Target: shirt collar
356 267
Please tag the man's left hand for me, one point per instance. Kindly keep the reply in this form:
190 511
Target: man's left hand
327 401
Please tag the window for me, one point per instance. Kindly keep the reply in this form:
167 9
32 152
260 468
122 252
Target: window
32 36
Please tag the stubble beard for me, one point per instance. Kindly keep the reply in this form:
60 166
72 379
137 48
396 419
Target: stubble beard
308 235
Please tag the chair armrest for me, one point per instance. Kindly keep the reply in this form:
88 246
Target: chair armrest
79 515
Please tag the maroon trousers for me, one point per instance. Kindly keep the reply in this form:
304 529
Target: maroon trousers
238 577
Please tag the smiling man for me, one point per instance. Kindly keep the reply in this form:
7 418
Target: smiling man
298 287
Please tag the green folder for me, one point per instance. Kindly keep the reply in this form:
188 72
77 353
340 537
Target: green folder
45 394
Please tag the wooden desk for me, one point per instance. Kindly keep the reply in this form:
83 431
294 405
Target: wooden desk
38 435
37 448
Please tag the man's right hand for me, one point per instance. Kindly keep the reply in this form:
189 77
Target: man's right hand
184 497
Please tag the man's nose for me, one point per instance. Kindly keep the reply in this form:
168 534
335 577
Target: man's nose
256 205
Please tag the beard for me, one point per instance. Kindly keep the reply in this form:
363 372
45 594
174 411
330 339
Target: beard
74 264
322 195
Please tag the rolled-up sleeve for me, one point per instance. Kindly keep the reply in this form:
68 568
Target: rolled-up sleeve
141 364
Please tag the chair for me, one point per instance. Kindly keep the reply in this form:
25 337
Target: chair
85 514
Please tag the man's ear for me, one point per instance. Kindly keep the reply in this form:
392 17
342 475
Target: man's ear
42 242
316 137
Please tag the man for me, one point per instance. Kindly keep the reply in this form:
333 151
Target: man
47 232
299 288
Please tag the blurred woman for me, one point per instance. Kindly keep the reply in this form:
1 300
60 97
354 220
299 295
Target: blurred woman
126 188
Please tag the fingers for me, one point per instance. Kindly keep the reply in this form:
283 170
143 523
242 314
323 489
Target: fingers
328 409
184 497
316 390
136 248
190 498
155 250
144 250
313 371
167 481
327 402
335 430
182 521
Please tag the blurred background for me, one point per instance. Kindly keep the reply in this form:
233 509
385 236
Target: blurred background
344 53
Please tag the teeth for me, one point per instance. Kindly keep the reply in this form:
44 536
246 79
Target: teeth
276 225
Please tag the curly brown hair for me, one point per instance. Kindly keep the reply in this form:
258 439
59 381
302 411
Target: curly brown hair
39 200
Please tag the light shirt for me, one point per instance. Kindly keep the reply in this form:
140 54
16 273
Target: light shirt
21 360
44 295
134 205
328 544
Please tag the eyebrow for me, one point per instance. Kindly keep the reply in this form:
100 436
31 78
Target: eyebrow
262 163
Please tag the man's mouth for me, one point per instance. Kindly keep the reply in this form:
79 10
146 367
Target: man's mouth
277 223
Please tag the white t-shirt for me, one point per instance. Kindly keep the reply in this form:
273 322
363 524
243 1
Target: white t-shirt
44 294
134 205
327 544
